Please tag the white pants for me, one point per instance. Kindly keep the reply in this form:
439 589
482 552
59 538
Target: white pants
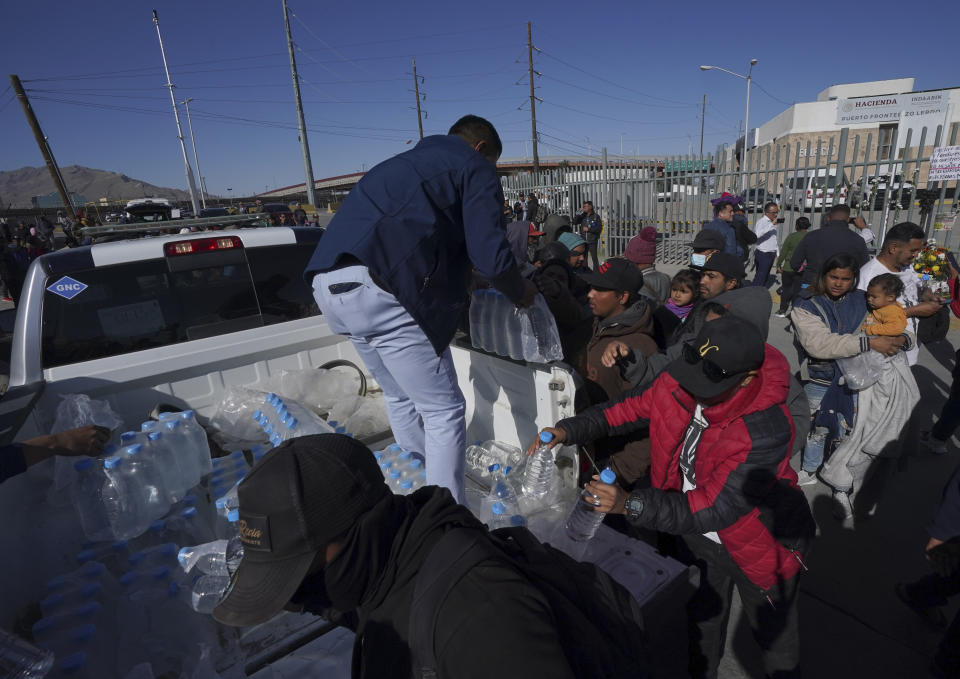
424 401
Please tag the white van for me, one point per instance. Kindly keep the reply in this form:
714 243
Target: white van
812 189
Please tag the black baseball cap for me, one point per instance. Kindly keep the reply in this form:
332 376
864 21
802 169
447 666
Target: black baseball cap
725 350
297 499
729 265
708 239
615 274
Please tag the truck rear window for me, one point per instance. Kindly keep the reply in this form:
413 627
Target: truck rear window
140 305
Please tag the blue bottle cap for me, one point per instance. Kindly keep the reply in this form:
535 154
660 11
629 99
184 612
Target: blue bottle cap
478 442
276 439
546 437
83 464
292 423
173 589
109 449
85 555
166 417
499 508
332 424
54 599
406 484
189 512
415 464
257 448
378 455
127 436
236 455
187 414
257 415
134 449
172 424
506 470
233 515
271 397
221 503
149 425
395 474
608 476
127 578
518 520
189 500
44 625
386 464
154 436
341 430
111 462
394 447
494 467
268 429
94 569
405 455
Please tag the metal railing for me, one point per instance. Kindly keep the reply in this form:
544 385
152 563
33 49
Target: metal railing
880 182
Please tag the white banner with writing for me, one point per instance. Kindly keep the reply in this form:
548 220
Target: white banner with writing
945 164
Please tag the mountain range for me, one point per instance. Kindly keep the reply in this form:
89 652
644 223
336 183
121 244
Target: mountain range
17 187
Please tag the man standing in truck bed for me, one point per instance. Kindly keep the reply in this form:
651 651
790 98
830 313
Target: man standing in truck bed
391 273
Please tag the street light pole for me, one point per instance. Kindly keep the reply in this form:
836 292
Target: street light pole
196 158
746 133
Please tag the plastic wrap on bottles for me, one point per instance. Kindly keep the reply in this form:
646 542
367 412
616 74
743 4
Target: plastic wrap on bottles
498 326
539 335
320 390
233 414
369 418
862 370
344 409
76 410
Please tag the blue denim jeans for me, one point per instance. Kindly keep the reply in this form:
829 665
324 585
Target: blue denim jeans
819 437
424 402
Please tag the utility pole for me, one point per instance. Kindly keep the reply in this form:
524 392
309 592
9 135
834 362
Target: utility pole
703 117
176 114
45 149
196 158
533 102
302 125
416 91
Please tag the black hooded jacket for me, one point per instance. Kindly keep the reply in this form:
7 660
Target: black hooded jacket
493 623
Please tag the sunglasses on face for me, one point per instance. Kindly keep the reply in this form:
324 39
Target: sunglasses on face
713 371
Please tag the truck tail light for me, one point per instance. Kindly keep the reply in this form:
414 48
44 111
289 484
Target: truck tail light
198 245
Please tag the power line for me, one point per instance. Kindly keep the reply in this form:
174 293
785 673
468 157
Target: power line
610 96
610 82
771 96
619 120
327 45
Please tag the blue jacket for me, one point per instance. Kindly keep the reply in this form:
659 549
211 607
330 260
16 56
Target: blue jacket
419 221
729 236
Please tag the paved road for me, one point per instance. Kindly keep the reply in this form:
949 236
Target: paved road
852 625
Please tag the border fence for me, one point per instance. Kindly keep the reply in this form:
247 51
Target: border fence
882 180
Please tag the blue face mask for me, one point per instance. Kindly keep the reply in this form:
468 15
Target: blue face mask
698 260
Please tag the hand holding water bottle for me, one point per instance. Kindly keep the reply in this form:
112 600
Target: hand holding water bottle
558 437
607 498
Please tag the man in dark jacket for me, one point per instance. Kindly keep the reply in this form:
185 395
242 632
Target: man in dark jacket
392 273
721 479
566 295
723 224
322 533
621 314
591 226
832 238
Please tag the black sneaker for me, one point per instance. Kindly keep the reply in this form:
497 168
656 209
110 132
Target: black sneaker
931 614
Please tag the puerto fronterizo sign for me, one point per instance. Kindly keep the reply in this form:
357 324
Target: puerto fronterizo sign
891 108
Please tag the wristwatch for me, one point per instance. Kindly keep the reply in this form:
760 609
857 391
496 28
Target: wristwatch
633 507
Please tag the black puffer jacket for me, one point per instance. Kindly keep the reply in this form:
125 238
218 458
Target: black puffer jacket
492 623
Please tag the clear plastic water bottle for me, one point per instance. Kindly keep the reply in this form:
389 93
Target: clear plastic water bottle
176 438
514 331
189 526
501 516
412 470
206 592
477 309
70 597
122 502
385 467
479 458
539 471
128 438
197 437
220 557
165 461
21 659
405 487
140 584
505 454
139 464
583 521
501 490
86 497
394 477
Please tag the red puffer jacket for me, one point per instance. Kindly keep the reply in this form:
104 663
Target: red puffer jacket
746 490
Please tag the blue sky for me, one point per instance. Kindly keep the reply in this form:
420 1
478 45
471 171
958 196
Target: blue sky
610 71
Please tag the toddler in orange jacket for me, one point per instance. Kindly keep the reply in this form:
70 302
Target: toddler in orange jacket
886 316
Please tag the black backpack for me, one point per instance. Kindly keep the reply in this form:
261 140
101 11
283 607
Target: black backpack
599 623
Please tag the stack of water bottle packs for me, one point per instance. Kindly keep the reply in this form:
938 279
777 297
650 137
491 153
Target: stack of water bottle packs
498 326
281 419
403 471
125 603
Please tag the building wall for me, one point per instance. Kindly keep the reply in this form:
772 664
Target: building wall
869 89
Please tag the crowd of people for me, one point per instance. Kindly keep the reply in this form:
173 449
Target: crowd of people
702 420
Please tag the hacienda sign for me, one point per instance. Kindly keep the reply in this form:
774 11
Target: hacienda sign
890 108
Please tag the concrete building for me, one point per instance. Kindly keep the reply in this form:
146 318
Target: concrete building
886 119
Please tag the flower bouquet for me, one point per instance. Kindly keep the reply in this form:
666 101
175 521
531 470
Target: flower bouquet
931 267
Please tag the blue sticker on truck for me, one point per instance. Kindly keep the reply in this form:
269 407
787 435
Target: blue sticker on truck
67 288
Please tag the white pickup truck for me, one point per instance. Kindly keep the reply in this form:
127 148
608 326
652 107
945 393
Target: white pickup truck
178 319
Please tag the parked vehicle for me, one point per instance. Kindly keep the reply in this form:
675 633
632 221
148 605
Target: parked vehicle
149 210
875 194
813 189
214 212
280 213
754 199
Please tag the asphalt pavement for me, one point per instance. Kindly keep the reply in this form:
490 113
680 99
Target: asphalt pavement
851 623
